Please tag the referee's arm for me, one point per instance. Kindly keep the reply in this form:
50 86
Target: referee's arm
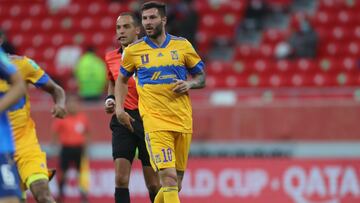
121 89
110 99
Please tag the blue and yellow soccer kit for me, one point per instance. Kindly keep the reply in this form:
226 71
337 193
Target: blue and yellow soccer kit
167 115
30 159
8 175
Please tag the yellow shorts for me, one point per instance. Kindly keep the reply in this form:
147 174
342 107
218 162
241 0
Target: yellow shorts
29 157
168 149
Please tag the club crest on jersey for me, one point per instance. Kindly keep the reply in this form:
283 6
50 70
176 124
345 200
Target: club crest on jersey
145 58
174 55
157 158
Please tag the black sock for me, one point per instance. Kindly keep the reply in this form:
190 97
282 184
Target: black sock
152 196
122 195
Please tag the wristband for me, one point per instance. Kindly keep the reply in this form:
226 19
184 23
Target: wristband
110 97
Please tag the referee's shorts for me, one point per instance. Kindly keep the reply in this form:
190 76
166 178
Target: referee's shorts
125 142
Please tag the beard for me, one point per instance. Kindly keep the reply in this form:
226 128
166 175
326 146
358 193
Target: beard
157 31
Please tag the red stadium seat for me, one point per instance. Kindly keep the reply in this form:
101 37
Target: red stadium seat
338 33
284 66
306 66
203 41
49 53
232 81
328 65
114 8
10 24
217 82
282 3
285 80
353 49
300 80
322 18
37 40
16 10
346 17
211 81
219 25
329 5
107 22
356 32
243 52
266 50
18 39
61 39
227 6
329 49
274 36
350 64
275 80
94 8
344 79
30 52
239 67
263 66
254 80
322 79
356 79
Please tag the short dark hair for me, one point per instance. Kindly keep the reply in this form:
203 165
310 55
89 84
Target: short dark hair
134 16
161 7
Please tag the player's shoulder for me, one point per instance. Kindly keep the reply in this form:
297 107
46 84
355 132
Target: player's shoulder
180 41
17 58
21 62
135 44
177 38
31 63
22 59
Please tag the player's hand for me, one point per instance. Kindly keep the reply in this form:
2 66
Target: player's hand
109 106
181 86
125 119
58 111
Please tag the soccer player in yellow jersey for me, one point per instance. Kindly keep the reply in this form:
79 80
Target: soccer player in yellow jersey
30 159
162 63
12 88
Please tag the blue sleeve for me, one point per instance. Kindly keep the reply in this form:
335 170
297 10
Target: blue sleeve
42 81
125 73
197 68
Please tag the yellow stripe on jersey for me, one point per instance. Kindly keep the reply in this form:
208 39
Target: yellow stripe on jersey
156 68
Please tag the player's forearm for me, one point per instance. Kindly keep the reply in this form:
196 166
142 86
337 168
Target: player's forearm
198 81
121 89
16 91
57 93
111 87
59 96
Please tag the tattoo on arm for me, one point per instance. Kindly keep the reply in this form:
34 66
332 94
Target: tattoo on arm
198 81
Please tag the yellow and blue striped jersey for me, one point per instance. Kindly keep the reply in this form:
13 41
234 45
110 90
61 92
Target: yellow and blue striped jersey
31 72
156 68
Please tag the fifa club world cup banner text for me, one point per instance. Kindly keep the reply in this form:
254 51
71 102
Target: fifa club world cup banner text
218 180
